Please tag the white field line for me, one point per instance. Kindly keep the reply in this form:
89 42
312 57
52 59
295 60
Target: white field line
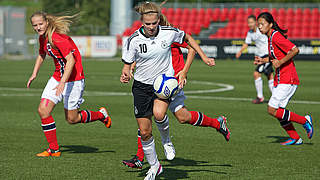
224 87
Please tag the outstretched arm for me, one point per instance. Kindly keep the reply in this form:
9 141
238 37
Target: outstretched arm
244 46
182 75
196 47
36 69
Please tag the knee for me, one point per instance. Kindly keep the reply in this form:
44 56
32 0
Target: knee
71 120
271 76
256 75
43 112
145 134
272 111
159 115
183 117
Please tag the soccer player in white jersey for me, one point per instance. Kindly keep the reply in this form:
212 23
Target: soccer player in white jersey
261 43
150 48
177 106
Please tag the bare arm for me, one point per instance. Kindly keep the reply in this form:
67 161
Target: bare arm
196 47
36 69
292 53
244 46
182 75
125 74
66 75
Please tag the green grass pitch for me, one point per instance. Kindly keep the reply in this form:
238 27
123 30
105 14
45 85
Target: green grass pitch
91 151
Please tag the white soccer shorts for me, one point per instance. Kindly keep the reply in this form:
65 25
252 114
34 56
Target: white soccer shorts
177 102
281 95
72 93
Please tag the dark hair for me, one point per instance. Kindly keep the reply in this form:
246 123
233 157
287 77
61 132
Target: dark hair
252 17
269 18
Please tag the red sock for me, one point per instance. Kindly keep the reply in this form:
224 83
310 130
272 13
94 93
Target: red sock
291 131
49 129
287 115
200 119
140 152
90 116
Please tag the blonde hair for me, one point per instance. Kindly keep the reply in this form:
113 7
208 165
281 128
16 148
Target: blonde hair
152 8
58 24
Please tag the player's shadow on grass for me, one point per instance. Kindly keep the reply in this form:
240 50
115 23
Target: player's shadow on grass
82 149
174 173
280 139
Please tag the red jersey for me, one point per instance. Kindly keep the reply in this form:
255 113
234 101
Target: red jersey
64 45
177 56
279 47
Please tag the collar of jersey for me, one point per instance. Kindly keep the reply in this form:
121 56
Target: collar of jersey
141 32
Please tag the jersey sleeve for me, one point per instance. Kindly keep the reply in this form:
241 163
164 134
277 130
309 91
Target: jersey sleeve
248 39
128 52
62 44
284 44
179 36
183 45
41 46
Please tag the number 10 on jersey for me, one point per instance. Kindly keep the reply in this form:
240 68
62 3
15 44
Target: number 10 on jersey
143 48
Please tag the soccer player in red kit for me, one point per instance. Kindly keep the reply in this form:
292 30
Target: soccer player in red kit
177 107
281 52
67 81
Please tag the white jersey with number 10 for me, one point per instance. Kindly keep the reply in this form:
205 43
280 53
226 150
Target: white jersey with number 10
152 54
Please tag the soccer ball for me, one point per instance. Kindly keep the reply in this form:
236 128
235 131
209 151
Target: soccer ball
165 87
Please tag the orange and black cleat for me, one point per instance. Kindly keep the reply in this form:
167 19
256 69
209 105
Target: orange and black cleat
107 118
50 152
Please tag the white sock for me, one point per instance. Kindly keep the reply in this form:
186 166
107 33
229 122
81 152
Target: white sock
270 82
258 82
163 127
149 150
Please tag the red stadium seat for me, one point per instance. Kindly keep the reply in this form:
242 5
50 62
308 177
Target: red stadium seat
202 12
241 12
196 30
265 10
282 12
307 12
206 23
232 14
186 11
194 12
249 12
209 11
224 14
178 12
274 12
215 16
256 11
290 12
170 12
298 12
315 12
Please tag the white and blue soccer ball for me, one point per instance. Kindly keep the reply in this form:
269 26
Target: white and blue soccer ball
165 86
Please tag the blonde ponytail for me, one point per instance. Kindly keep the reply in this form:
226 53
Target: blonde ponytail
58 24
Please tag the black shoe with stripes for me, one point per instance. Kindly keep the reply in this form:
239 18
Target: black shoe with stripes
223 127
133 163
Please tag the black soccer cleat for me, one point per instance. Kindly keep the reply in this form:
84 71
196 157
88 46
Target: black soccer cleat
133 163
223 127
